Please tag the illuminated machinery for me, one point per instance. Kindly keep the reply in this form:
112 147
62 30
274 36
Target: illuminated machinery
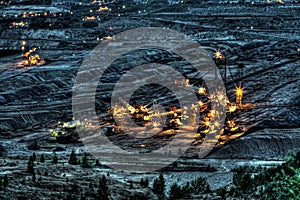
138 113
186 116
31 56
142 115
208 116
103 8
231 128
232 107
173 118
65 132
239 96
220 59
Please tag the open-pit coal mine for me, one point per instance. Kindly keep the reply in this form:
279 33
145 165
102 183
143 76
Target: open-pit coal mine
144 138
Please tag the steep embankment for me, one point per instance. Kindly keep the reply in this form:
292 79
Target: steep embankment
263 144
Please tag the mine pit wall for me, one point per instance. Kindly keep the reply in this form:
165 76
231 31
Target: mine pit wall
40 99
265 144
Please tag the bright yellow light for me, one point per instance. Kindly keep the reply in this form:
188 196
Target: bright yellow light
103 8
26 54
206 123
232 108
219 55
37 56
217 124
108 38
26 62
200 103
231 123
23 43
239 91
212 113
92 18
187 81
147 118
201 90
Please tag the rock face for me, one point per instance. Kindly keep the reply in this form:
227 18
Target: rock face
35 98
264 144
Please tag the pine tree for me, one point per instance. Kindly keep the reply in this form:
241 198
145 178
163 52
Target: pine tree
54 159
34 156
187 190
159 187
85 163
146 182
175 192
131 185
73 160
30 165
33 177
142 182
97 163
42 158
195 187
5 181
103 192
200 186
